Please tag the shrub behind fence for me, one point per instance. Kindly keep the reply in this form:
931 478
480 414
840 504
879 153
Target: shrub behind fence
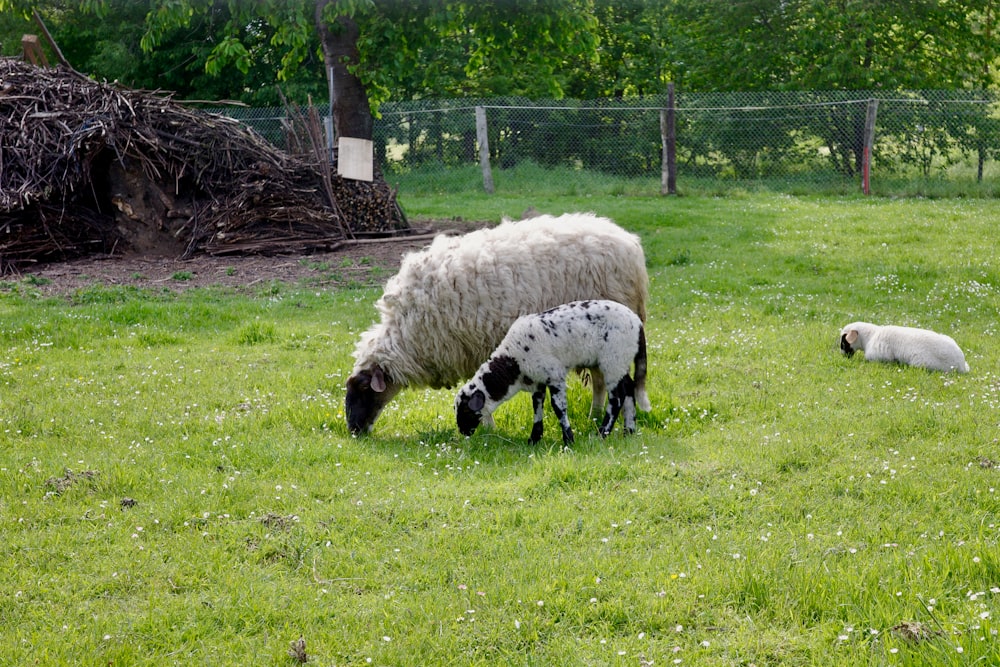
779 140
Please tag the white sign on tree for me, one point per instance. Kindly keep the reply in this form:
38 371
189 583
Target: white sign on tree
355 158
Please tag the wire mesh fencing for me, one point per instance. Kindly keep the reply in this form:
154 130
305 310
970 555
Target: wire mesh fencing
786 141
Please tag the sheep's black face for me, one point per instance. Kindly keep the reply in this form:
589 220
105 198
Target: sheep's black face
367 393
468 411
845 347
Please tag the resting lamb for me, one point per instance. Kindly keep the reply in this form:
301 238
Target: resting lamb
540 350
906 345
451 303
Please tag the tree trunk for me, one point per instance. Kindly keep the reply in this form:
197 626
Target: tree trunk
352 116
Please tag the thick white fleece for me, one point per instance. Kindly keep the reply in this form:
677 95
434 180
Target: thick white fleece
905 345
451 303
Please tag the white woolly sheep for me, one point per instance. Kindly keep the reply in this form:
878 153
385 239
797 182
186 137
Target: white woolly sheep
905 345
450 304
540 350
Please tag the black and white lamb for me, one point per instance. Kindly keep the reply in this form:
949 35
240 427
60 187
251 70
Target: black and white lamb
905 345
540 350
450 304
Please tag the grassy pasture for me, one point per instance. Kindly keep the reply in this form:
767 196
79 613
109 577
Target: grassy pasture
177 485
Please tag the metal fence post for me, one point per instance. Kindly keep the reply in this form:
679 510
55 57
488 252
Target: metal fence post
484 149
331 141
668 137
866 156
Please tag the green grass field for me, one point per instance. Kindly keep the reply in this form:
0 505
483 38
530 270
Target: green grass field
177 485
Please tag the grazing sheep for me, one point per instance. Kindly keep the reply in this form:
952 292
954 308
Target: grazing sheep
906 345
451 303
540 350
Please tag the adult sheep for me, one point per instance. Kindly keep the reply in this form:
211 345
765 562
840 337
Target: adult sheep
451 303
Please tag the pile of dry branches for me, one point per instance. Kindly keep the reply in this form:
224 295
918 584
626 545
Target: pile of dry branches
88 167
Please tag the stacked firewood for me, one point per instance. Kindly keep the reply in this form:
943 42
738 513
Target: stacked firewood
82 161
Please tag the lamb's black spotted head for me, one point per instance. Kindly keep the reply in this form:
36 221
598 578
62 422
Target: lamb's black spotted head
469 409
492 383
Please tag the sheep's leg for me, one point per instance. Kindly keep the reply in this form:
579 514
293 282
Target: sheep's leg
557 394
538 404
639 396
622 395
600 392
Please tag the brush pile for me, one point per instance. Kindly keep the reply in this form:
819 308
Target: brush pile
92 168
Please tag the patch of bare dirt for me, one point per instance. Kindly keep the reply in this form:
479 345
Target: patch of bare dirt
371 261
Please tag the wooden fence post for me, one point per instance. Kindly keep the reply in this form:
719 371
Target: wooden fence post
668 138
866 156
484 149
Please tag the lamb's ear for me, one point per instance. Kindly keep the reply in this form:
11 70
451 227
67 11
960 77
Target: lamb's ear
851 336
477 400
378 380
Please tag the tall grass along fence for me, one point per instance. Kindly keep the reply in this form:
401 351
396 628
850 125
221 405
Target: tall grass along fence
845 141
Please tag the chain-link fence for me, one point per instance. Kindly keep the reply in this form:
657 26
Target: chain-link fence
780 140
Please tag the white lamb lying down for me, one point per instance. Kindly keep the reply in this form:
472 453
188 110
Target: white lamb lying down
905 345
540 350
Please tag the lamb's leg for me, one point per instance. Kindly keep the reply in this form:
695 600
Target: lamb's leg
622 395
628 414
557 394
538 404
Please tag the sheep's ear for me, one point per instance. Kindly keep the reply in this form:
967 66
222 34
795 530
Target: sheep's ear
477 400
378 380
851 336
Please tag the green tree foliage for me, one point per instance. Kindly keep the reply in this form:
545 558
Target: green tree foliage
849 45
633 57
529 48
835 45
441 48
200 58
